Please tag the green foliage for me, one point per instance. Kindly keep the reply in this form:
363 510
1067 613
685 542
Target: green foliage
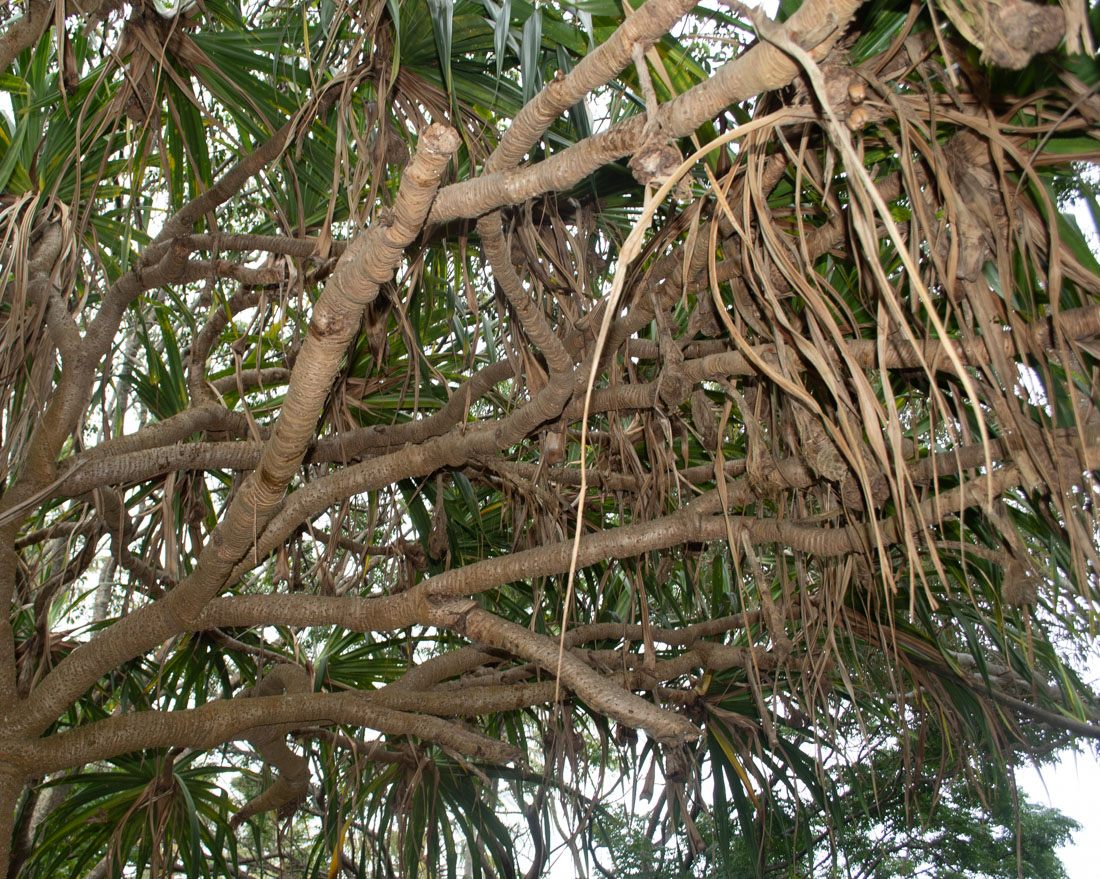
145 812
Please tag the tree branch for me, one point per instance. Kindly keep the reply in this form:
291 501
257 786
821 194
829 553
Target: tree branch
606 696
222 721
25 31
817 24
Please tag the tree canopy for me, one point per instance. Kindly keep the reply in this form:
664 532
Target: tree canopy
428 429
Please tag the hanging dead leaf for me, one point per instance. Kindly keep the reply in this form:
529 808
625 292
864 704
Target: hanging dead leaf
677 763
851 490
624 735
1019 588
664 567
704 417
282 565
413 553
646 793
438 541
376 325
552 444
704 319
816 449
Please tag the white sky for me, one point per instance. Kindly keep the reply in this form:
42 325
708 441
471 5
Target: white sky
1073 787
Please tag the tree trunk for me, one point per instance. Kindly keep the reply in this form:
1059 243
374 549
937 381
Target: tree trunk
11 786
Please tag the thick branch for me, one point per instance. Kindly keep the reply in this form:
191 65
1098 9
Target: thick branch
218 722
817 23
107 463
270 743
693 523
1077 324
24 31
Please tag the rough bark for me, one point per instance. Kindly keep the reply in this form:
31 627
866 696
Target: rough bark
24 31
12 780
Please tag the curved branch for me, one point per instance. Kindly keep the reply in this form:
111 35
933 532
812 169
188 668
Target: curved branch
270 743
817 24
248 379
204 340
452 450
693 523
599 692
598 66
222 721
155 450
170 431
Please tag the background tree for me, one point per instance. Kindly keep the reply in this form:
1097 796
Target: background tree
406 403
942 834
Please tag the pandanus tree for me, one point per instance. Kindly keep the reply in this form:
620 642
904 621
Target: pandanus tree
424 424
